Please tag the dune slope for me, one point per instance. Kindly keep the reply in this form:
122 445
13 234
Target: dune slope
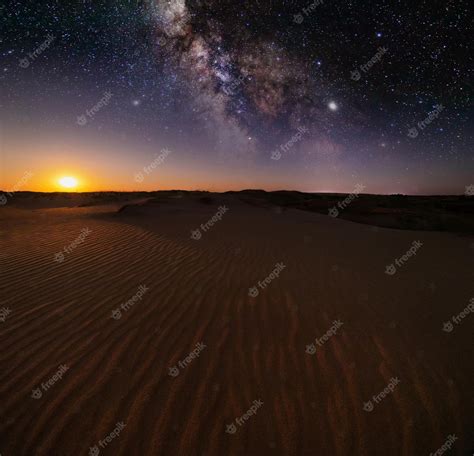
196 291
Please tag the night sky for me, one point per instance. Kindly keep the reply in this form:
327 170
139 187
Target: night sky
242 94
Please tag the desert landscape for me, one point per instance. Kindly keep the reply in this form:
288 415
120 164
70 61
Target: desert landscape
197 323
236 228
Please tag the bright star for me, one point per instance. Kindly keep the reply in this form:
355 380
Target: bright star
333 106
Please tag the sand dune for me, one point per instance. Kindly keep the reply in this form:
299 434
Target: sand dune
255 348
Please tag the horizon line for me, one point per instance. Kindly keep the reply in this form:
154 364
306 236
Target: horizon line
231 191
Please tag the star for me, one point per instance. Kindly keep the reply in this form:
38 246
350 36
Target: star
333 106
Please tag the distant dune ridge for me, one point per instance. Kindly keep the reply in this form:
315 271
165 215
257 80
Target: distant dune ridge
426 213
333 356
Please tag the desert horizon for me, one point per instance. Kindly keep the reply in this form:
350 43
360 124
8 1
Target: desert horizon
249 189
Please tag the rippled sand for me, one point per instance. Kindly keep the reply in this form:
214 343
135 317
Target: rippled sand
255 347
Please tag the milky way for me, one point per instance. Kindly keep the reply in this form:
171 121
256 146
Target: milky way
242 81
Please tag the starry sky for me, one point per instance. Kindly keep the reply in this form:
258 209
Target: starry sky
224 95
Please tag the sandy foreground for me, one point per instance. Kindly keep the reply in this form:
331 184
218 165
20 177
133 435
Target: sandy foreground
101 310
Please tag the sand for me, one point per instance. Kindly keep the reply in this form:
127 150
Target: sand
253 348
